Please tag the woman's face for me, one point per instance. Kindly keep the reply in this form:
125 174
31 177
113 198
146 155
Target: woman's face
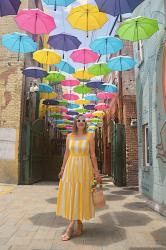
81 122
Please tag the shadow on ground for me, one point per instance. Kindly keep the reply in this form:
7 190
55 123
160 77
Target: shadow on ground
160 236
146 248
114 197
52 200
141 206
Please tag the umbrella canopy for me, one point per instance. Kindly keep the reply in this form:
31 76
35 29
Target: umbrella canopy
46 56
71 112
117 7
19 42
56 115
51 102
105 95
51 95
64 42
91 97
84 56
35 21
101 106
70 97
82 102
9 7
83 75
96 120
98 114
99 69
56 3
82 89
72 106
70 83
86 17
45 88
138 28
69 117
88 115
35 72
108 87
81 110
55 76
63 102
121 63
106 45
90 106
94 84
65 66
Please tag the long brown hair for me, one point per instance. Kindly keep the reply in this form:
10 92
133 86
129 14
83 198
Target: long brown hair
75 128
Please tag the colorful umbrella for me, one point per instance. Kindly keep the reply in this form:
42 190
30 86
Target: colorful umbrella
45 88
117 7
71 112
86 17
62 109
55 76
90 106
35 21
18 42
82 102
91 97
101 106
99 69
67 116
35 72
64 42
138 28
80 110
72 106
105 95
63 102
106 45
9 7
84 56
121 63
108 87
70 83
88 115
46 56
94 84
51 102
70 97
82 89
96 120
56 115
83 75
44 95
65 66
98 114
56 3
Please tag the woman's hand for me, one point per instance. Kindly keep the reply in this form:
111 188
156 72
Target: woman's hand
61 173
98 176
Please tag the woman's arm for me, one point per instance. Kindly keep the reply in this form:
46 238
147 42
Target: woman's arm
66 156
94 160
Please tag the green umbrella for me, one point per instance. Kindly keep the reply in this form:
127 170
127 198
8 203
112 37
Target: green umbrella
138 28
82 89
96 120
56 115
99 69
63 102
81 110
55 76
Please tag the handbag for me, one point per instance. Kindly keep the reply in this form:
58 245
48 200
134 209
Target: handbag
98 196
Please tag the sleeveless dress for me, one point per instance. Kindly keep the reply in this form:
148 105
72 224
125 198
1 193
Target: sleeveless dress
74 198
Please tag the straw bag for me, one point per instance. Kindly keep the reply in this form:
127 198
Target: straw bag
98 196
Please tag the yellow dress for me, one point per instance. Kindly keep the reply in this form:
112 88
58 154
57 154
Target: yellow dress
74 199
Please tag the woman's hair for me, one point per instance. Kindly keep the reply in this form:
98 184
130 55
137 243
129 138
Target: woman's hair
75 128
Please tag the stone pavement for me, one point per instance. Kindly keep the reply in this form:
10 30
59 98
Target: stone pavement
28 221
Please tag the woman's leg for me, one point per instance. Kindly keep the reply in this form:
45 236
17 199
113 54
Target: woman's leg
79 229
69 231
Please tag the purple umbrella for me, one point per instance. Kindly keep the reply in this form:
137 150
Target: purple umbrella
51 102
117 7
94 84
90 106
64 42
35 72
9 7
71 112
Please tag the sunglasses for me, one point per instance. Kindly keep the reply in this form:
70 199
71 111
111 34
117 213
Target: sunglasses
80 120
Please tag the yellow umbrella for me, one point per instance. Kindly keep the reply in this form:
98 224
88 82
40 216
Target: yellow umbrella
48 95
53 108
61 125
87 17
92 127
82 102
83 75
46 56
98 113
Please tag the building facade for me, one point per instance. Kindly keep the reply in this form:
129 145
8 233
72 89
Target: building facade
151 106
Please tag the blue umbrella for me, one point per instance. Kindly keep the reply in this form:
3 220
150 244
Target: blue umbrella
64 42
90 106
117 7
121 63
43 87
59 121
56 3
106 45
9 7
35 72
94 84
108 87
65 66
91 97
51 102
72 106
20 43
71 112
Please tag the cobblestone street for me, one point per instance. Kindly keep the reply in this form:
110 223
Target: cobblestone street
28 221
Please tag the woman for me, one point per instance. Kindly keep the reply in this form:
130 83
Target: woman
76 177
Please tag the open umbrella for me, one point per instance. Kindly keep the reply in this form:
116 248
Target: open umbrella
82 89
56 3
9 7
72 106
98 114
45 88
138 28
19 42
82 75
84 56
86 17
82 102
44 95
94 84
51 102
46 56
35 21
56 115
70 83
55 76
63 102
108 87
35 72
81 110
91 97
65 66
90 106
105 95
99 69
88 115
106 45
121 63
101 106
71 112
70 97
117 7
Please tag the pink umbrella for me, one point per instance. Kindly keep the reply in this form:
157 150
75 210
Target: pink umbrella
62 109
35 21
68 117
70 83
70 97
84 56
88 115
105 95
101 106
69 127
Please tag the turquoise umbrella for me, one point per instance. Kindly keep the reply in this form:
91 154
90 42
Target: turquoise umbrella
56 3
121 63
65 66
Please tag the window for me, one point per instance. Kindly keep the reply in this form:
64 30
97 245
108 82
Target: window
146 145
